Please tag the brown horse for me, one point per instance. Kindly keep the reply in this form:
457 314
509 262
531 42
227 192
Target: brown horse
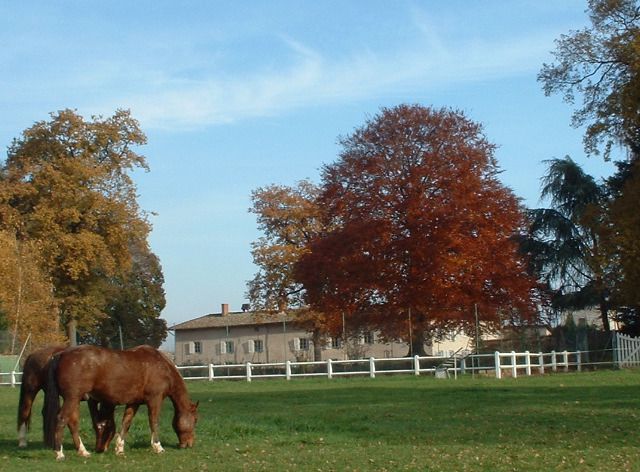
142 375
34 379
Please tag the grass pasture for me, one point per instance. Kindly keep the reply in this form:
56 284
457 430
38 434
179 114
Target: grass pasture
584 421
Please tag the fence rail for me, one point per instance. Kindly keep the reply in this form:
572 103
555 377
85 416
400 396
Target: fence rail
498 364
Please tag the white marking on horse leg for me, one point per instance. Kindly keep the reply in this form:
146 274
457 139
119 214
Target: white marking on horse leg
82 451
60 454
119 448
155 445
22 435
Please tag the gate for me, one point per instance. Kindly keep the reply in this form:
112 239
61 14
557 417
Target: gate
626 350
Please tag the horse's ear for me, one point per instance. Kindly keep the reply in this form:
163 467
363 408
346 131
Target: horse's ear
194 406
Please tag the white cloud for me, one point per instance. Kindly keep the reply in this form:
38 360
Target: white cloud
313 79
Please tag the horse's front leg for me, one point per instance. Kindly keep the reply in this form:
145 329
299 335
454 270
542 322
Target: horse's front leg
154 412
127 418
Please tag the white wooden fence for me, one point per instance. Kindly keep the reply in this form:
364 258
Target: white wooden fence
626 350
498 364
626 353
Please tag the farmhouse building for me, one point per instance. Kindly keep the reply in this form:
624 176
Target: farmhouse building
258 337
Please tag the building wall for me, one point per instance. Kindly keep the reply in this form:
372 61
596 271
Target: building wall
279 344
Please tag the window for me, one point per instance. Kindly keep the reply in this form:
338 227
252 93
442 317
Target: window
255 345
193 347
301 344
336 343
369 338
226 347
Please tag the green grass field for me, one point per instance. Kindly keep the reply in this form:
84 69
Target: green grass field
586 421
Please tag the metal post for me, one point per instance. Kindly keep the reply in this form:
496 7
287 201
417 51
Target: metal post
372 368
329 369
475 309
410 334
210 372
416 365
496 357
248 371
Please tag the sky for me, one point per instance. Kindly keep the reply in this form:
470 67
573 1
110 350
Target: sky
234 96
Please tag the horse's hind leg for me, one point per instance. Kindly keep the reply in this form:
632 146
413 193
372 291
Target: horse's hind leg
70 416
24 413
27 395
127 418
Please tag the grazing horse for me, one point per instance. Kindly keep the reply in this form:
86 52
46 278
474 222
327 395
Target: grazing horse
141 375
34 379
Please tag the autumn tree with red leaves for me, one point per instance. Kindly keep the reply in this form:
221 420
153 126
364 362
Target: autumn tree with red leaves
423 231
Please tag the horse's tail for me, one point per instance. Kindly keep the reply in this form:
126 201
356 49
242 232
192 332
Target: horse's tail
51 403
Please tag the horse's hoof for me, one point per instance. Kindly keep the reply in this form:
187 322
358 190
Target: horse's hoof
157 448
22 444
59 457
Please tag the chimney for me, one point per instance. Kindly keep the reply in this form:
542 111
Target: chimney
225 309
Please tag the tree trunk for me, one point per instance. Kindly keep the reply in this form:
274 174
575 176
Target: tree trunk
416 347
72 332
18 303
317 344
604 313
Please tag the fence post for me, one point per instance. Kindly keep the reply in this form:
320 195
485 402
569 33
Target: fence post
287 369
578 361
210 372
248 371
514 365
372 368
541 358
496 357
565 361
329 369
463 365
13 378
527 357
554 361
416 365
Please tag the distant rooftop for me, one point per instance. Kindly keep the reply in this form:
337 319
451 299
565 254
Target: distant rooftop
240 318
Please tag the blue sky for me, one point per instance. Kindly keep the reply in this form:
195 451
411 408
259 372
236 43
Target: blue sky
238 95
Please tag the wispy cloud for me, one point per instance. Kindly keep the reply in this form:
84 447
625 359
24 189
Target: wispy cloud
312 79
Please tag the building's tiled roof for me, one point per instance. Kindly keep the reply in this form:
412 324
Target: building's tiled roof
217 320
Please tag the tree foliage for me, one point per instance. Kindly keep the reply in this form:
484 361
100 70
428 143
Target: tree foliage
134 304
567 242
66 188
624 247
288 217
26 295
602 64
419 230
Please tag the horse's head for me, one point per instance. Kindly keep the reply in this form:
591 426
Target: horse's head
105 430
184 424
